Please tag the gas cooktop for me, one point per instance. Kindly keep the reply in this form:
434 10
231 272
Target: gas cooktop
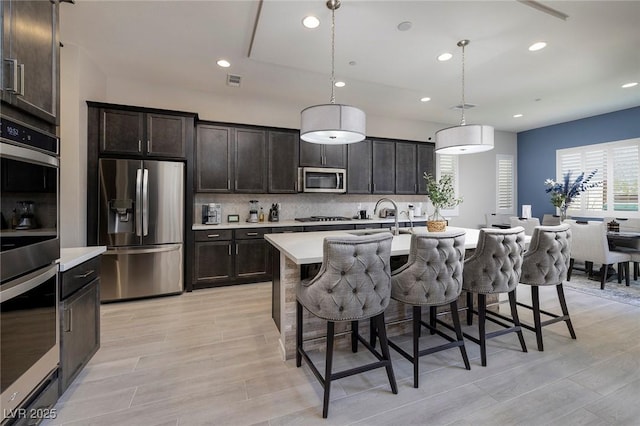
321 218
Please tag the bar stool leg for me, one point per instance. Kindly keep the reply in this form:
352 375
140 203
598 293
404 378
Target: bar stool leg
354 336
456 325
482 315
384 348
516 319
327 368
372 332
469 308
432 318
298 334
417 317
535 299
565 310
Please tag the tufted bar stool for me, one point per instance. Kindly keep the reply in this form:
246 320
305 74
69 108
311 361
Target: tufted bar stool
431 277
354 283
546 262
495 267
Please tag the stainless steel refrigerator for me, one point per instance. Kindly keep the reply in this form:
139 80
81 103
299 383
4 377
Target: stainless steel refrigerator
141 222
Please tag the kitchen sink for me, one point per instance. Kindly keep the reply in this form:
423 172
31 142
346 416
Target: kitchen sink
378 231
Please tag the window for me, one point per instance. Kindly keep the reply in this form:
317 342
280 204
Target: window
505 178
618 168
447 164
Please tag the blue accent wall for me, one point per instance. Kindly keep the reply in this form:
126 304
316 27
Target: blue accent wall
537 151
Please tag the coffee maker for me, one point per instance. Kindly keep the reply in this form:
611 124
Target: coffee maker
212 214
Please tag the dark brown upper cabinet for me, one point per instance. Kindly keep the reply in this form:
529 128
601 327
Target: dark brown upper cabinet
250 161
319 155
406 168
283 162
359 167
426 163
383 166
214 165
138 133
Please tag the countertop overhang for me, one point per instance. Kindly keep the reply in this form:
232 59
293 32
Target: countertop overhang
70 257
282 223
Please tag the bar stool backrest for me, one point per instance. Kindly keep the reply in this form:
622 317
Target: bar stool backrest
546 262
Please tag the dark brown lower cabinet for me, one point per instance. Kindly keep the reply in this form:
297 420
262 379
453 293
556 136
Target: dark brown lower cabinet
79 319
231 257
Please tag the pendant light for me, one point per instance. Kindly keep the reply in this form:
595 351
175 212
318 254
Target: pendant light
465 138
332 123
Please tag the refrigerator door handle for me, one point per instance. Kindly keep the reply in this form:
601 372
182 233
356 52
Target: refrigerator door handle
147 250
138 210
145 202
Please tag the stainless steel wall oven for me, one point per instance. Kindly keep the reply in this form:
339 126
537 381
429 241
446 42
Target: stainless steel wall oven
29 240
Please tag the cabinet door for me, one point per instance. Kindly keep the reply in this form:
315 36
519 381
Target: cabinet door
384 167
214 167
213 262
31 52
121 131
250 161
79 331
253 259
283 162
311 154
406 168
166 135
359 168
426 163
335 156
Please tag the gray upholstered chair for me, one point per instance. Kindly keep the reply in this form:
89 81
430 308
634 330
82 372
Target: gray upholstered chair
528 224
431 277
546 262
495 267
551 220
354 283
590 244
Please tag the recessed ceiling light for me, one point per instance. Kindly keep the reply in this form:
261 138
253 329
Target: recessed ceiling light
632 84
223 63
425 99
537 46
517 115
404 26
445 57
340 84
310 22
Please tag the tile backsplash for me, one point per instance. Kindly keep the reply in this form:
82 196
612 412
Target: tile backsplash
304 205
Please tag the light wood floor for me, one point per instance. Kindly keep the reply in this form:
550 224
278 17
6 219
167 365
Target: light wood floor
212 357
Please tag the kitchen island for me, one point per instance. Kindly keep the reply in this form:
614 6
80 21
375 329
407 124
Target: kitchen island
294 252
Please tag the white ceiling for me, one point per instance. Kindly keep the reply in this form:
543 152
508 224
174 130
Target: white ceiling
579 74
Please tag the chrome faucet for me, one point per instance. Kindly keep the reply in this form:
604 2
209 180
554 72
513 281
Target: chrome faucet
396 230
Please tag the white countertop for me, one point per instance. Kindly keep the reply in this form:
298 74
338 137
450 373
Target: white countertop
70 257
244 224
306 247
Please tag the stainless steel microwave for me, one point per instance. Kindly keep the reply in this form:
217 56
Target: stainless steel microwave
321 179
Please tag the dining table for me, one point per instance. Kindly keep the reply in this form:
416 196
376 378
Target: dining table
297 253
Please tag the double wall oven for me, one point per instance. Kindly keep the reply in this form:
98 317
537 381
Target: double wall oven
29 337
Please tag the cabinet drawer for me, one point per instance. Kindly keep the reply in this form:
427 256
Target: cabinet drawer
251 233
286 229
214 235
75 278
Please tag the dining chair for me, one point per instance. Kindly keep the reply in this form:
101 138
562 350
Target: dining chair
590 244
354 283
432 277
546 263
495 267
527 223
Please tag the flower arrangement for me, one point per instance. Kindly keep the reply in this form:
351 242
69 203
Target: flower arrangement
564 192
441 194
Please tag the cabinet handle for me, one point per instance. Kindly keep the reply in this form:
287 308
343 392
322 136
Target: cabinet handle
374 187
236 249
68 320
235 183
229 247
213 235
14 71
228 184
84 275
148 144
369 187
415 187
252 234
139 145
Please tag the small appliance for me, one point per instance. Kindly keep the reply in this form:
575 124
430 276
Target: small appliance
253 211
322 179
27 219
212 214
274 213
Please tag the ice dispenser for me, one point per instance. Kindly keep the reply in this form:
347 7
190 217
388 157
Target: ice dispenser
121 219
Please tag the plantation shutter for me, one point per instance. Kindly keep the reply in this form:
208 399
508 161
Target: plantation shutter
505 195
625 178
